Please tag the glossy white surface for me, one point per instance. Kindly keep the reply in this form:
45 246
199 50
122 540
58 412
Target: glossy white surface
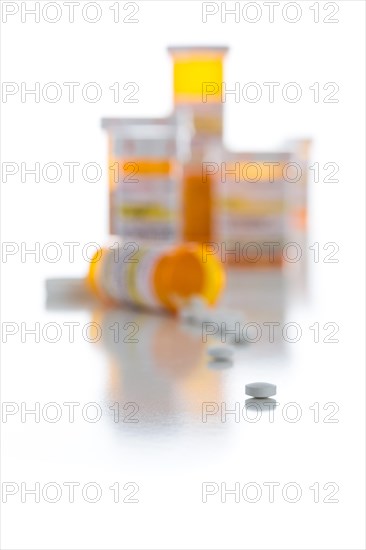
167 384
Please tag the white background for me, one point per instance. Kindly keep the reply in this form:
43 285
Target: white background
171 452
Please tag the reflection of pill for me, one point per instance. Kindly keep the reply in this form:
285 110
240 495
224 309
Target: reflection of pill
264 403
220 352
260 389
220 364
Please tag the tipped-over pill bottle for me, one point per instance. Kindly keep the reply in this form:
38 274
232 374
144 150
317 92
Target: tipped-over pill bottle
156 277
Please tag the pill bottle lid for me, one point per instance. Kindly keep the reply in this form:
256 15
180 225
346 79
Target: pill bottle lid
182 273
195 69
203 49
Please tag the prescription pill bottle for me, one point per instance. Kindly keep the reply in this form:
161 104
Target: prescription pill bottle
157 277
250 210
197 85
144 179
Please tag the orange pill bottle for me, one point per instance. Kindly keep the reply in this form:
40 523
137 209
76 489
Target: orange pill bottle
155 277
197 84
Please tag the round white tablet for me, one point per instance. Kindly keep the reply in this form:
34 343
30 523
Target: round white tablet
260 389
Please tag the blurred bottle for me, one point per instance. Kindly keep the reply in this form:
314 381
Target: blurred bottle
297 200
156 277
198 77
260 206
250 208
297 188
144 179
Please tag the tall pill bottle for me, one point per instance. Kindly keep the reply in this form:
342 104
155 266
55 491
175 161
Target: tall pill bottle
197 86
155 277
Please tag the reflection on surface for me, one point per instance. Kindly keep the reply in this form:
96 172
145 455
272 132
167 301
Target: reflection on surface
262 405
220 364
161 363
164 370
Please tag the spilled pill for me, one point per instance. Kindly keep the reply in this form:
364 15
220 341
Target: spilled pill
260 389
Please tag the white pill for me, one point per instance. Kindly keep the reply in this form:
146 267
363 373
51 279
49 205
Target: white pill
197 303
220 352
187 315
260 389
193 310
